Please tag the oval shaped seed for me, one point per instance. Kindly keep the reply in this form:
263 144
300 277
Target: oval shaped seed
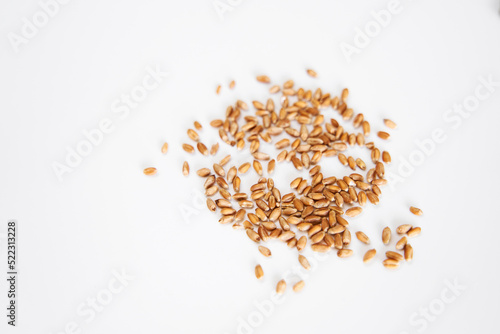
202 148
386 235
258 167
244 168
401 243
343 253
254 236
185 168
259 273
301 243
353 212
214 149
362 237
414 232
369 255
211 204
219 170
394 255
281 287
408 252
312 73
320 248
263 79
304 262
386 157
391 264
264 251
299 286
188 148
402 229
193 135
270 166
203 172
390 124
164 148
416 211
150 171
383 135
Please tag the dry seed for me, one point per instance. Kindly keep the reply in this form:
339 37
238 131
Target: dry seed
232 84
369 255
214 149
394 256
197 125
211 205
259 273
263 79
281 287
185 168
225 160
244 168
301 243
401 243
414 232
344 253
264 251
202 148
390 124
193 135
219 170
386 235
188 148
258 167
402 229
218 89
416 211
303 262
164 148
383 135
386 157
408 252
320 248
254 236
312 73
150 171
391 265
299 286
363 237
353 212
274 89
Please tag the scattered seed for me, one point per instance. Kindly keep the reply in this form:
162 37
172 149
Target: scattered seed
232 84
414 232
259 273
363 237
390 124
218 89
150 171
214 149
383 135
369 255
402 229
312 73
386 235
185 168
394 255
263 79
264 251
281 287
303 262
416 211
344 253
401 243
164 148
408 252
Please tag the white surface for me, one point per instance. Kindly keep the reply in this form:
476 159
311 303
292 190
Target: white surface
197 276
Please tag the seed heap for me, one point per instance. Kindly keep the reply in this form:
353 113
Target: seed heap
317 207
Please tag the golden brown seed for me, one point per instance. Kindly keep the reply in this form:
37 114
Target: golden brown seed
216 123
270 166
414 232
218 89
197 125
211 204
408 252
202 148
244 168
164 148
225 160
383 135
416 211
274 89
320 248
345 94
258 167
353 212
203 172
263 79
312 73
259 273
369 255
301 243
402 229
390 124
185 168
394 255
150 171
214 149
219 170
264 251
232 84
188 148
193 135
386 157
254 236
299 286
287 235
281 287
303 262
386 235
346 237
401 243
391 265
363 237
344 253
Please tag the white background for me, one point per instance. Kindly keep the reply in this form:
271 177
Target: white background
193 275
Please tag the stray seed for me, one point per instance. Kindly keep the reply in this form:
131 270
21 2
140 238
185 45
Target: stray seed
303 262
362 237
258 167
274 89
232 84
281 287
416 211
188 148
263 79
394 255
383 135
214 149
401 243
408 252
202 148
164 148
203 172
259 273
193 135
244 168
218 89
150 171
402 229
298 286
390 124
386 235
353 212
369 255
312 73
197 125
264 251
414 232
219 170
386 157
185 168
225 160
344 253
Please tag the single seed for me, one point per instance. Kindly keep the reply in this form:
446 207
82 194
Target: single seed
402 229
218 89
203 172
408 252
312 73
197 125
391 264
211 204
344 253
274 89
232 84
219 170
320 248
301 243
401 243
259 273
188 148
369 255
390 124
150 171
214 149
244 168
383 135
386 235
264 251
258 167
299 286
164 148
394 255
263 79
353 212
202 148
225 160
414 232
281 287
193 135
303 262
416 211
386 157
185 168
363 237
